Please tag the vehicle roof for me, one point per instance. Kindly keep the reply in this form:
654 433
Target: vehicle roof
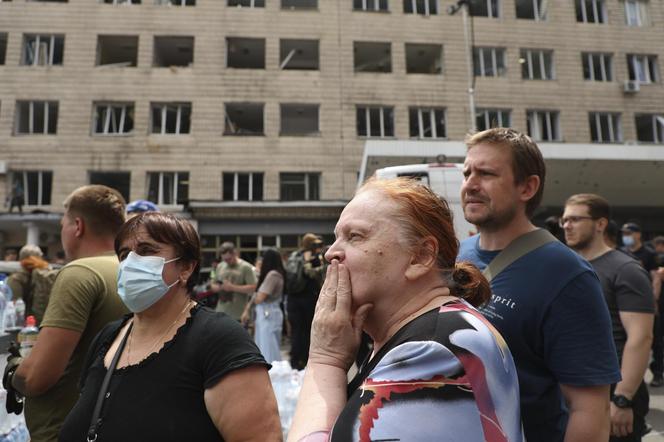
419 167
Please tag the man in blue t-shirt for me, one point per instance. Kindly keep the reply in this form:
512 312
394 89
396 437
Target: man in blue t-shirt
547 304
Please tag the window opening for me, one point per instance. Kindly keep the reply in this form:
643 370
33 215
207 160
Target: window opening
244 119
424 58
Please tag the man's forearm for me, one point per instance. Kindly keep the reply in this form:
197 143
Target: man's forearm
247 289
634 365
656 281
588 425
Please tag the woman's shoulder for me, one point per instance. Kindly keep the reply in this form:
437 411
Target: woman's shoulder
211 324
274 274
103 340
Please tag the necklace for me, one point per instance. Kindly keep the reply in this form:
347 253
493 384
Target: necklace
158 340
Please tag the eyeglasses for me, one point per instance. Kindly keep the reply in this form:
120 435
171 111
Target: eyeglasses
572 219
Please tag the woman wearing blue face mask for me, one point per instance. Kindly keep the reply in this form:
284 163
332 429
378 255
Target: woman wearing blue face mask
172 370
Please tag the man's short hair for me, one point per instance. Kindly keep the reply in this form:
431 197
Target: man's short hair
658 240
29 250
598 207
527 159
226 247
102 209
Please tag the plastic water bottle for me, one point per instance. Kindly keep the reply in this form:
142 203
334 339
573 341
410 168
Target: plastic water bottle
28 336
19 305
9 318
5 295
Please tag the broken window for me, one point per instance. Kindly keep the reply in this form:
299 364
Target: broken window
299 4
597 66
427 122
3 47
299 119
245 53
121 2
43 50
370 5
422 7
424 58
36 185
372 56
119 181
484 8
242 186
489 118
247 3
176 2
536 64
117 50
299 186
113 118
543 125
244 119
531 9
605 127
171 118
649 128
36 117
168 188
375 121
642 68
298 54
489 62
173 51
590 11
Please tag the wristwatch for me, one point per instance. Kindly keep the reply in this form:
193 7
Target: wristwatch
621 401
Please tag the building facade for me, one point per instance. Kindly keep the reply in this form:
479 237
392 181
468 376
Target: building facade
251 116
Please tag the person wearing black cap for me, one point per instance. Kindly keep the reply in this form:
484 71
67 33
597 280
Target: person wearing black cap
633 245
302 296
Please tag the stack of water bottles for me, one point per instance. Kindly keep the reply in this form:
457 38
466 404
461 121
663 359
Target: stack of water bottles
12 427
286 383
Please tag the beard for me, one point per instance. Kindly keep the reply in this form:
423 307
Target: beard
490 219
582 243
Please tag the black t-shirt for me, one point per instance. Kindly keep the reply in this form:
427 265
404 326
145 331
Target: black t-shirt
645 256
161 398
626 288
445 376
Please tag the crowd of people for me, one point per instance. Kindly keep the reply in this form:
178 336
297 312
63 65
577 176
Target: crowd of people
516 333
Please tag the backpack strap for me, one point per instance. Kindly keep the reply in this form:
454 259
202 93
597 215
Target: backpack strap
519 247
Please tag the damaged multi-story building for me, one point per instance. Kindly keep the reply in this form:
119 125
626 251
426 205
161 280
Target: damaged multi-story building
255 118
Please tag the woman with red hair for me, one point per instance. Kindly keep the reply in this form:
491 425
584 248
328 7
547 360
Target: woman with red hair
438 371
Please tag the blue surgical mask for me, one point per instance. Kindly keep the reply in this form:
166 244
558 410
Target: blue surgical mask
140 281
628 240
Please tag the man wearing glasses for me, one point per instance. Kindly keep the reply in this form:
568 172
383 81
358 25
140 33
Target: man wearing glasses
629 297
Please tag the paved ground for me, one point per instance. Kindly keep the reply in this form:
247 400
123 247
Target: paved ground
656 414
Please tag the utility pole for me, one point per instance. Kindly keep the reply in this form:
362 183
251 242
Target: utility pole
464 6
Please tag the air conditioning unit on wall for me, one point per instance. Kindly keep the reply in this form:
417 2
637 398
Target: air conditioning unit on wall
3 167
631 86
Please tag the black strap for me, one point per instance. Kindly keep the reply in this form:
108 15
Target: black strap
96 421
519 247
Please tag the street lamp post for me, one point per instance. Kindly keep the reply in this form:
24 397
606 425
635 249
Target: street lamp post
464 6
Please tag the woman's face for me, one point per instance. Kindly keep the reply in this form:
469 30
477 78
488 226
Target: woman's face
142 244
368 244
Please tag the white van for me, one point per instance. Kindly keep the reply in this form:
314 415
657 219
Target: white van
443 178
